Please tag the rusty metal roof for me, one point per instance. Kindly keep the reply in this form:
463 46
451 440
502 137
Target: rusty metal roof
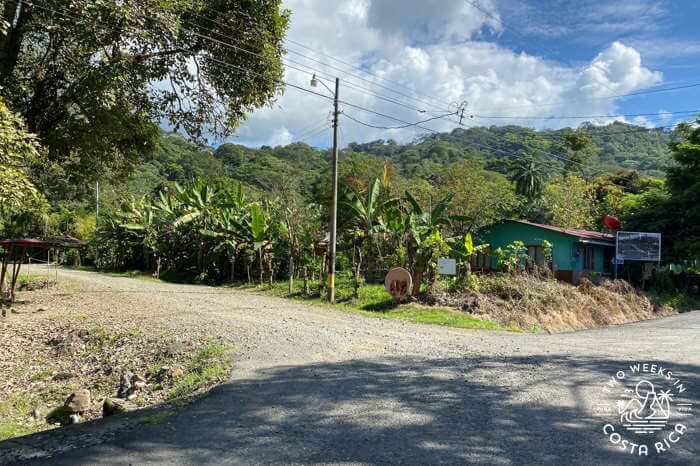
584 234
65 241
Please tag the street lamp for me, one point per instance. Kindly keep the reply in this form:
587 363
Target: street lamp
334 181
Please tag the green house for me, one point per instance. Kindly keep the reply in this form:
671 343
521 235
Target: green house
575 253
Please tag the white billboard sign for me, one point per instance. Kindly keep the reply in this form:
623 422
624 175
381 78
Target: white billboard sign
447 266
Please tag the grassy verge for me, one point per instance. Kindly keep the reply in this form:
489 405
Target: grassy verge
374 301
679 300
208 366
13 408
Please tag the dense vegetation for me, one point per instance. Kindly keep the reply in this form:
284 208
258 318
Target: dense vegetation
387 216
95 78
83 94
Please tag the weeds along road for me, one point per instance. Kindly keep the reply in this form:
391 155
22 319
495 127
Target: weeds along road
314 385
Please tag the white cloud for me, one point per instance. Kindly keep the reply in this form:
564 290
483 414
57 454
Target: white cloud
436 48
617 70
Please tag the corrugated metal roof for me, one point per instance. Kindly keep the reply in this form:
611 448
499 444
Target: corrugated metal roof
66 241
585 234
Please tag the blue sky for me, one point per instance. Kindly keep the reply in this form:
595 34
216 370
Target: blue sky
666 33
520 59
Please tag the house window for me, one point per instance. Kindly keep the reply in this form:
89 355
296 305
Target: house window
588 258
536 255
481 261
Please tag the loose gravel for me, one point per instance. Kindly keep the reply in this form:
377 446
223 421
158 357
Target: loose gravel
314 385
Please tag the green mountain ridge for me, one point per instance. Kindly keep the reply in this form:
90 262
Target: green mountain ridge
615 147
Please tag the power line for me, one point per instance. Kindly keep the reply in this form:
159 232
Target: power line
579 117
306 129
408 124
381 97
309 134
315 71
345 72
333 58
397 127
285 59
609 97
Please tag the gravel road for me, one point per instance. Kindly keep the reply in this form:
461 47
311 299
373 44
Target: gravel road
314 385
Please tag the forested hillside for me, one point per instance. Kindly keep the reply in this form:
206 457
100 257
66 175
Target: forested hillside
614 147
298 166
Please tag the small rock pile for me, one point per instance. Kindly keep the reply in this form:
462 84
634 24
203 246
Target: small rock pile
130 384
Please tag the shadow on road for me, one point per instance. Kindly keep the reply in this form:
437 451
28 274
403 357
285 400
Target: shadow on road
531 410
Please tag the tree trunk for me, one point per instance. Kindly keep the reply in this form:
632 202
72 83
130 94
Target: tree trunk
291 274
307 291
232 259
270 269
261 266
417 277
247 266
358 268
11 43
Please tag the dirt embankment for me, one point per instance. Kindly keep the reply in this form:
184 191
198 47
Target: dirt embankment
535 303
59 369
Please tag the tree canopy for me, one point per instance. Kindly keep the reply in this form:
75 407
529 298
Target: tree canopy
95 78
18 149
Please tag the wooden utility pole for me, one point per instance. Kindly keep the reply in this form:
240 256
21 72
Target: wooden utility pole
334 197
97 203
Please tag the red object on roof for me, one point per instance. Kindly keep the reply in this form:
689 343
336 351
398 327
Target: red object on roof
584 234
612 223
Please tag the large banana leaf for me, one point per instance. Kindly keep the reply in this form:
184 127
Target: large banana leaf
257 223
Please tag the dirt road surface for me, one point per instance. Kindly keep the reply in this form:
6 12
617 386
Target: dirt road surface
313 385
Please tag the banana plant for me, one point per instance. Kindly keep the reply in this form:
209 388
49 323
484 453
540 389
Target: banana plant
259 234
423 235
226 233
366 217
463 249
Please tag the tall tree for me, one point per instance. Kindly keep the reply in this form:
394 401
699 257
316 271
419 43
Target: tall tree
529 176
19 198
683 182
579 148
570 202
94 78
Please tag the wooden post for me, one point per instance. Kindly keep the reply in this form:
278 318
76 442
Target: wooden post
3 272
16 267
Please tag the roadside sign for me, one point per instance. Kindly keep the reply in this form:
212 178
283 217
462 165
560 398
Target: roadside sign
636 246
398 283
447 266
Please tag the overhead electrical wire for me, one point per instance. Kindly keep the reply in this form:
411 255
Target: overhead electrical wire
311 73
579 117
305 68
383 115
393 101
325 121
474 115
408 125
355 67
310 136
312 132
